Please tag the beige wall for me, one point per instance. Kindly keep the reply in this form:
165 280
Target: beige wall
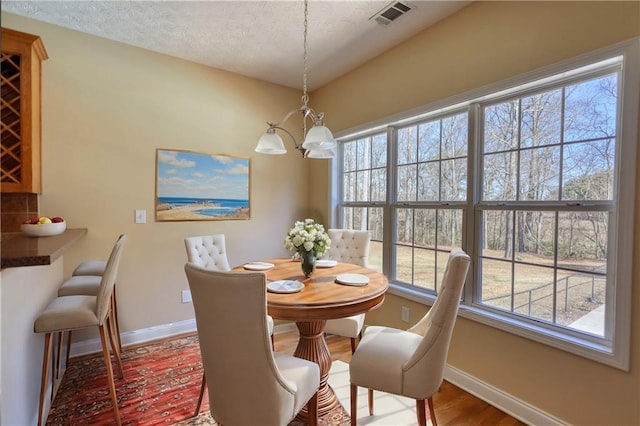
485 43
106 108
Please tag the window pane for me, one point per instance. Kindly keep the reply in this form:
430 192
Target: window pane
497 235
590 109
454 180
582 241
496 287
404 263
349 156
588 170
424 273
378 185
541 118
407 183
363 184
499 177
429 143
404 225
379 150
428 180
535 237
449 228
363 153
533 292
407 145
581 300
501 127
455 133
425 228
540 174
349 186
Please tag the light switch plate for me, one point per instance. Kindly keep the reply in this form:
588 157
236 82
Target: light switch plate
141 216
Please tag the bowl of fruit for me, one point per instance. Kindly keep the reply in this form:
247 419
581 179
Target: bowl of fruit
43 226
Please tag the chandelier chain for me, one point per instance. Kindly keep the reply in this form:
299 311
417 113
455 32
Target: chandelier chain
305 97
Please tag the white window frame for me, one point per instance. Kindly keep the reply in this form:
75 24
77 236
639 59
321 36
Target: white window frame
620 257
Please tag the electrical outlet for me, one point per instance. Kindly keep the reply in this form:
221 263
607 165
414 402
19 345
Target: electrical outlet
186 296
405 314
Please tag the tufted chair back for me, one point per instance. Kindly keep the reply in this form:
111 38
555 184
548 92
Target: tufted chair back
349 246
208 251
411 362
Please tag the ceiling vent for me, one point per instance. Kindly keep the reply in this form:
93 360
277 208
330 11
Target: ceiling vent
391 12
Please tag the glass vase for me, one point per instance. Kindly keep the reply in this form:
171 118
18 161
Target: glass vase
307 263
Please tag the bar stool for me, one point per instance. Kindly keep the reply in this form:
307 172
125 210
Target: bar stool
85 280
68 313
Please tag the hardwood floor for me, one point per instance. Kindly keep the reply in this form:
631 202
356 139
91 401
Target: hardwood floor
453 405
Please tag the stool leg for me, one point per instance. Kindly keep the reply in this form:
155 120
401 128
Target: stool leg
115 316
112 386
203 387
60 337
116 352
46 358
68 348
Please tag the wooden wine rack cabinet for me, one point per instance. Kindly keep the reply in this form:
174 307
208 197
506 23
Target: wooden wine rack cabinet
20 137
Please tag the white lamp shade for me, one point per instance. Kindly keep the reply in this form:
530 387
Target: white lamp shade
319 137
321 153
270 143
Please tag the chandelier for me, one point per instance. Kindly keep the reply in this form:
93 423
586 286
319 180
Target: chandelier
318 141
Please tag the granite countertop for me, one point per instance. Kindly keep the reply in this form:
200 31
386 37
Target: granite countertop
19 250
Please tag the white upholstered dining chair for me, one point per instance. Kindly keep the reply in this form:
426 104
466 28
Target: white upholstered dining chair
349 246
210 252
411 363
253 384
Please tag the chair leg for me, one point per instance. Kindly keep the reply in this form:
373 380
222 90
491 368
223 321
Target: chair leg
370 401
354 404
112 386
353 345
46 358
432 411
312 410
420 411
203 386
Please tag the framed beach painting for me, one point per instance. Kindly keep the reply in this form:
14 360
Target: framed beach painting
199 186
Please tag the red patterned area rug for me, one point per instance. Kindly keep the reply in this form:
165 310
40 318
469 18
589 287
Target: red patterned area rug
161 388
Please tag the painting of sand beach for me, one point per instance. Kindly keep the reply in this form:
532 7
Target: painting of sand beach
198 186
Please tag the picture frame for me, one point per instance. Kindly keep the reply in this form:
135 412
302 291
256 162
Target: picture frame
197 186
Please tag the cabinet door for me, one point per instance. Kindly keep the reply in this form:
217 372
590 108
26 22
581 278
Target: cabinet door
21 132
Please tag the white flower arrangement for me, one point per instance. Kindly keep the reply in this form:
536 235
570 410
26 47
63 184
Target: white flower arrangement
307 236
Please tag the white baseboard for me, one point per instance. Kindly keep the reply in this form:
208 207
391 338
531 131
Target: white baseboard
515 407
136 337
511 405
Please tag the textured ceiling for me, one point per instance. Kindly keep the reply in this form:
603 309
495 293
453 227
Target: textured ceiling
259 39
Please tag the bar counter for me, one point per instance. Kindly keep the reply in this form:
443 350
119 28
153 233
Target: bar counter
19 250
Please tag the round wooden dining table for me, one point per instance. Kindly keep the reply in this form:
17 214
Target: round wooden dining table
321 299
